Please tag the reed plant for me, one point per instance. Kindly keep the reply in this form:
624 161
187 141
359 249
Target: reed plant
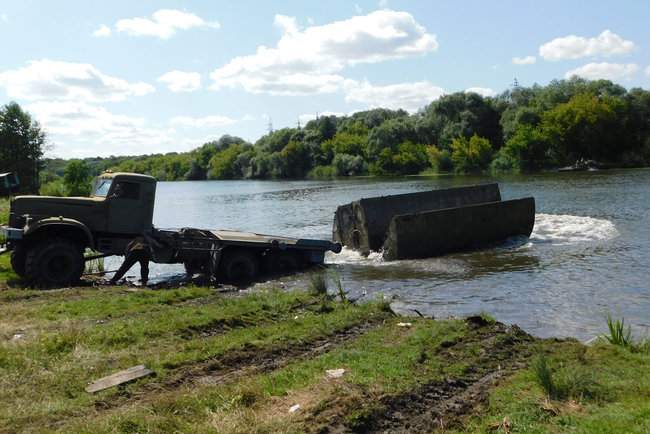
618 333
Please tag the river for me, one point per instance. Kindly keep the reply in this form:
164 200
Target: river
588 254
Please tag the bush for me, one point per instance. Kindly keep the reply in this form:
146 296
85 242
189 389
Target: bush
318 284
439 160
410 158
348 165
471 155
77 179
322 172
53 188
505 162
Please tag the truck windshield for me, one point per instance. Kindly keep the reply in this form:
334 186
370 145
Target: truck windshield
102 186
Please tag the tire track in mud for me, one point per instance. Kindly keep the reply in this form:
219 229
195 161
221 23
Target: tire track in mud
439 404
249 360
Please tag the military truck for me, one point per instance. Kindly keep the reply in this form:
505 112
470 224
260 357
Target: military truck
47 236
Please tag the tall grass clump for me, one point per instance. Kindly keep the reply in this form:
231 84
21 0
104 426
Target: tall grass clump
343 295
618 333
569 382
544 376
318 284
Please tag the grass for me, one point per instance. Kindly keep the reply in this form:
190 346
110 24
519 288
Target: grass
618 334
318 283
599 389
238 362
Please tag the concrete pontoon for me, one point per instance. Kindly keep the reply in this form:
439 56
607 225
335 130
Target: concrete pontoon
432 223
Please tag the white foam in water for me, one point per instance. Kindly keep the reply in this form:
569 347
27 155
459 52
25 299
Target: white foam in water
570 229
349 256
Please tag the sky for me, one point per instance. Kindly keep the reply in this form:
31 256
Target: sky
139 77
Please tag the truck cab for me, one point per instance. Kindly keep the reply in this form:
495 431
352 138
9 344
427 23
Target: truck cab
120 207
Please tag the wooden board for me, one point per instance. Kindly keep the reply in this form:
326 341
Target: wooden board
121 377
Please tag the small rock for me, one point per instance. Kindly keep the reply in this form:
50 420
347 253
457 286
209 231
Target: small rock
335 373
404 324
294 408
17 337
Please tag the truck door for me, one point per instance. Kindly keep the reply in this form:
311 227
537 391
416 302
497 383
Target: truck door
125 210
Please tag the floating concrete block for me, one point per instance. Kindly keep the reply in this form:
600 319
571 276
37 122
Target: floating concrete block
363 224
433 233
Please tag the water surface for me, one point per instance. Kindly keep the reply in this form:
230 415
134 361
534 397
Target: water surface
588 254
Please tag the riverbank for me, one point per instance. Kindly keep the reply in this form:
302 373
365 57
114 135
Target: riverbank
240 362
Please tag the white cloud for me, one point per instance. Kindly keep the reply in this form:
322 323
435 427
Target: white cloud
180 81
604 70
307 61
81 129
49 79
407 96
647 71
576 47
483 91
212 121
528 60
102 31
162 24
286 24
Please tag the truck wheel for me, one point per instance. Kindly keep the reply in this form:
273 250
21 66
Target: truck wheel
239 265
18 257
281 262
55 262
196 266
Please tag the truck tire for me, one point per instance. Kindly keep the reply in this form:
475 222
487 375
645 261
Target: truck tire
18 258
239 265
281 262
54 262
196 266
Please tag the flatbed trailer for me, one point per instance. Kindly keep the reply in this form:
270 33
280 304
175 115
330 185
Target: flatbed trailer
234 255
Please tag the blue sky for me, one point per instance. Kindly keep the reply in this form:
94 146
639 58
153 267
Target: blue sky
125 77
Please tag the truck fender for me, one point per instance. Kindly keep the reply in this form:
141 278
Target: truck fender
59 222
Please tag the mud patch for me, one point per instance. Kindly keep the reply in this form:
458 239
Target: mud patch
253 360
247 361
489 351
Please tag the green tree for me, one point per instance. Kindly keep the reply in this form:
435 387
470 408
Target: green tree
22 142
584 127
527 149
471 155
222 165
77 178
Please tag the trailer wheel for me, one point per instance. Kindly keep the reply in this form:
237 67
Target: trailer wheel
281 262
239 265
18 258
54 262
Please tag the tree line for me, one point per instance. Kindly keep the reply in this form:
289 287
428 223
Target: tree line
523 129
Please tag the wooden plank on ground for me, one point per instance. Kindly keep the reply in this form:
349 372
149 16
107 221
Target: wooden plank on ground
121 377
